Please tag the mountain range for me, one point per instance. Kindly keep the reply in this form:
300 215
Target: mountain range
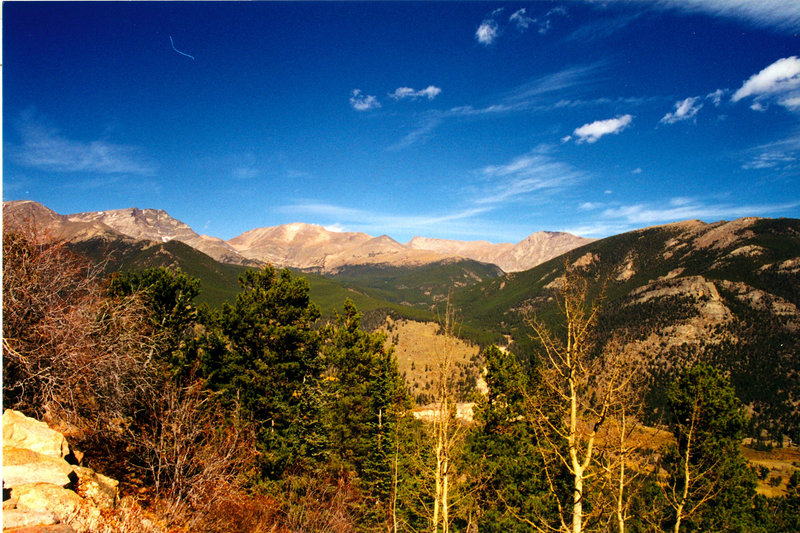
726 292
297 245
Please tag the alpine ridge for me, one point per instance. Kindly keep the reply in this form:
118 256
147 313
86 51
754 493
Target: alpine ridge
297 245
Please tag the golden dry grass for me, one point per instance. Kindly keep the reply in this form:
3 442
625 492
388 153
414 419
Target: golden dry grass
416 350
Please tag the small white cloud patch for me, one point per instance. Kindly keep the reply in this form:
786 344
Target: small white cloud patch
521 20
429 92
593 131
363 102
716 97
684 110
487 32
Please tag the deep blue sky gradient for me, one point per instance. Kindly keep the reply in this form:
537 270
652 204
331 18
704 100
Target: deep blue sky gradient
99 112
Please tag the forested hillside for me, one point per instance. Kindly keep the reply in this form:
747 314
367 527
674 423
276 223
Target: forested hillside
724 293
258 416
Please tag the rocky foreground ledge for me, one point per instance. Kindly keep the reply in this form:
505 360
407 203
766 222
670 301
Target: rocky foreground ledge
44 489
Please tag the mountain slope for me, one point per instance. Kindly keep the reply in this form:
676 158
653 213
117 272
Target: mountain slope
727 293
526 254
297 245
33 217
156 225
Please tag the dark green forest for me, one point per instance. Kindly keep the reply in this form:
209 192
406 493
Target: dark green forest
261 415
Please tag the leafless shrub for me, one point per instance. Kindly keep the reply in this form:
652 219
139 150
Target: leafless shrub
127 517
193 455
323 504
69 353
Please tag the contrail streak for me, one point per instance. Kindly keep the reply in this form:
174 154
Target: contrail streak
181 53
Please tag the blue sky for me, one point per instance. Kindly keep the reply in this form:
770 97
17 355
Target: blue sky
452 120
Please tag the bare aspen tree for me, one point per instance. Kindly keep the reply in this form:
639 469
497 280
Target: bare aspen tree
446 429
690 490
620 451
580 391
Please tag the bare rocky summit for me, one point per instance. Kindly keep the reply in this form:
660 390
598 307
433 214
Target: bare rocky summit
296 245
534 250
156 225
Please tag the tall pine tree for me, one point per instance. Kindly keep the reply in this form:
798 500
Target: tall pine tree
272 367
367 397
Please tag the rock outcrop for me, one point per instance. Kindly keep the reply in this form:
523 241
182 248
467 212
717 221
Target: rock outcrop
42 490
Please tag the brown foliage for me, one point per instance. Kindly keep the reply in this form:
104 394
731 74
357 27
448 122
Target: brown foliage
192 454
69 352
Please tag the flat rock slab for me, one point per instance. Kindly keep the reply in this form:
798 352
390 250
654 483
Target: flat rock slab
21 431
22 466
55 528
17 518
62 502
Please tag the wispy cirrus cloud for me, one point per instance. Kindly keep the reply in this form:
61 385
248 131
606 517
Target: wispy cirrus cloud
463 222
424 130
592 131
627 217
494 26
780 14
536 171
783 154
46 148
363 102
401 93
690 208
684 110
525 97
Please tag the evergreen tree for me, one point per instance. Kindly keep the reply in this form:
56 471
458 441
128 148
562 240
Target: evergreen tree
367 397
710 487
169 298
501 451
272 367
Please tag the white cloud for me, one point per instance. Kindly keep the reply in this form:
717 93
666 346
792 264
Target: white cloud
780 80
524 97
593 131
490 29
245 173
779 155
429 92
684 110
677 209
462 222
792 102
770 159
716 97
555 82
45 148
420 134
487 32
780 14
363 102
521 20
535 171
637 170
